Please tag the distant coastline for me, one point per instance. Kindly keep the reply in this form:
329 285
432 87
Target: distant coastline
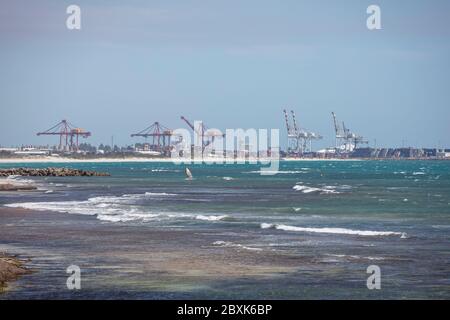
49 159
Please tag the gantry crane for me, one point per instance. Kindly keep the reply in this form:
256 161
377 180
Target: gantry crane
344 138
205 135
68 135
299 139
160 135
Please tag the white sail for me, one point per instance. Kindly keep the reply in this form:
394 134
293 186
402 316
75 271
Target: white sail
188 173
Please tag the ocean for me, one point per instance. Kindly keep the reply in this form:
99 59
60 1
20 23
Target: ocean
310 231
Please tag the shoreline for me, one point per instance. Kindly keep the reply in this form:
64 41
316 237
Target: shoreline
57 160
136 159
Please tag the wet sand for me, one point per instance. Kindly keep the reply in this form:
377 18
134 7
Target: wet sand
120 261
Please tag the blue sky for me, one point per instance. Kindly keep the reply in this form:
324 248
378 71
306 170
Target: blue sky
232 64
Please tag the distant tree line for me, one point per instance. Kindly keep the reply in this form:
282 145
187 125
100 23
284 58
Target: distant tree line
106 148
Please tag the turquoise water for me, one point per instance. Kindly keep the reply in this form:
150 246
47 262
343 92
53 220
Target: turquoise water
344 215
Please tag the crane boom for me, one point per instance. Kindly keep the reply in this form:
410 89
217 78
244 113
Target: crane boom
187 122
287 122
295 122
336 125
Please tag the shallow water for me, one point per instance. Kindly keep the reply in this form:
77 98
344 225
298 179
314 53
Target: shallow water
334 218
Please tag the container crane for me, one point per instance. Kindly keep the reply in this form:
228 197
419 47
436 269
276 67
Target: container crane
160 137
68 135
344 138
206 135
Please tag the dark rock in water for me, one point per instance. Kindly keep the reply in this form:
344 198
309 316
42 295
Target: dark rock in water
10 269
54 172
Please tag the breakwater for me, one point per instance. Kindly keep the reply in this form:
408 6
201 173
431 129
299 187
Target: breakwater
50 172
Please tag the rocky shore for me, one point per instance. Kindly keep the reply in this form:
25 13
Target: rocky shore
53 172
10 269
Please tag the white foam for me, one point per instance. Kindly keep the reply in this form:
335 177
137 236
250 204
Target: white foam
418 173
159 194
228 244
163 170
276 172
307 189
16 179
227 178
113 209
60 206
210 218
355 257
332 230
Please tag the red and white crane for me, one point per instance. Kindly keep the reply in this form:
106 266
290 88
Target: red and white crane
160 137
68 135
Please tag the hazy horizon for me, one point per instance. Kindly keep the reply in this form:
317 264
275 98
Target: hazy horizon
231 64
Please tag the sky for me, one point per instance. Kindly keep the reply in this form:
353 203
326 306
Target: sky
232 64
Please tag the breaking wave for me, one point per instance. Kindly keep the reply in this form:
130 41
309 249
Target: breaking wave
332 230
321 190
115 209
228 244
162 170
276 172
210 218
345 256
159 194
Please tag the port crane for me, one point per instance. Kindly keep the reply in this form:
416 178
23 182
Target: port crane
160 137
344 138
206 135
68 135
299 139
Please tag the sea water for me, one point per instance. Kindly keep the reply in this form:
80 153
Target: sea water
340 214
